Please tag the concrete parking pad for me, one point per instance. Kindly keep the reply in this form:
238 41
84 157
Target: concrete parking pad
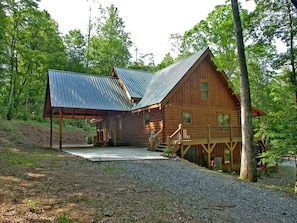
114 153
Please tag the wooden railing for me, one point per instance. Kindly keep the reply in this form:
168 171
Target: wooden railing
175 138
156 138
102 136
204 133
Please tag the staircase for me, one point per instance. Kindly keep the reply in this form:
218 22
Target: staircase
161 147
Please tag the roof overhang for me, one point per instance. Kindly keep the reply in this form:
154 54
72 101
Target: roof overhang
74 113
257 112
148 108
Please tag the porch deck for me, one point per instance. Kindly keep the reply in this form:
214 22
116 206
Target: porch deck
205 136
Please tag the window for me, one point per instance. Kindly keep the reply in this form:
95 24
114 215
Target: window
146 118
224 121
227 156
187 118
204 89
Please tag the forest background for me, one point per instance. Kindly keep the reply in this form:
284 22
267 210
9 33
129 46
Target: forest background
31 43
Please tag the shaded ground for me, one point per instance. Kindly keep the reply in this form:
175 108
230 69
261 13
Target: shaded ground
45 185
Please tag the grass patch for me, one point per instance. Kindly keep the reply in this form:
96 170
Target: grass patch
21 159
283 179
114 169
63 218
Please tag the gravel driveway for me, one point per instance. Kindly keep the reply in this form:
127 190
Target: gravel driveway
211 196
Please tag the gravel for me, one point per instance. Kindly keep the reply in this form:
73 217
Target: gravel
211 196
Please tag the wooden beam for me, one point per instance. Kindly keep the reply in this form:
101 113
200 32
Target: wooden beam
183 152
51 133
208 149
60 130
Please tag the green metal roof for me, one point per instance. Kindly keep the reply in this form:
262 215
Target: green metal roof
164 81
135 81
74 90
91 92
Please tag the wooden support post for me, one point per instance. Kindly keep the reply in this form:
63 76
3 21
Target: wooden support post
208 128
51 132
180 138
151 143
168 142
231 157
61 132
208 149
185 151
231 134
208 159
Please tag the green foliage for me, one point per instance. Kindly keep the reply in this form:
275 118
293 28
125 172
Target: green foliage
109 47
63 218
75 49
281 123
167 60
168 152
114 168
89 139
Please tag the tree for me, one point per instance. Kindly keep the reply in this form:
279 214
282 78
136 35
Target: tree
32 46
15 10
279 22
110 45
167 60
248 168
4 60
75 50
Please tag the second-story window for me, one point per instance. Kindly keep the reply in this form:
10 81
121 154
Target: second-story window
204 90
224 121
187 118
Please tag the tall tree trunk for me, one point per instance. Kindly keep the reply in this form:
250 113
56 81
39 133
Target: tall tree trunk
292 61
248 168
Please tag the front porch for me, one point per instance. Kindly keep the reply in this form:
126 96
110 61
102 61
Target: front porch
206 137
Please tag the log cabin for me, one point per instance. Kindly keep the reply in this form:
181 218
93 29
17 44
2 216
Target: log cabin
188 106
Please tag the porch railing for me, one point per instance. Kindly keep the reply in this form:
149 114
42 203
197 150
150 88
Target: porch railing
204 133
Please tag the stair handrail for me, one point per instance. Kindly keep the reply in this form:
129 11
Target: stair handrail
176 132
153 139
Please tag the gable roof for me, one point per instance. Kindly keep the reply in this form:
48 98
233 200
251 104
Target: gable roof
164 81
92 95
81 91
135 82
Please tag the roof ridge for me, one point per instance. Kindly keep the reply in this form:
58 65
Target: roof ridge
78 73
133 69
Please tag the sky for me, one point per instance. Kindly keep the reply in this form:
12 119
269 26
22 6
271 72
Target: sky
149 23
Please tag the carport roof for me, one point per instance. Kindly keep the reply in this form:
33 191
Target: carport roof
74 92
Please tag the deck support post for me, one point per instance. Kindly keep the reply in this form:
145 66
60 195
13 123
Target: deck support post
184 151
61 132
208 149
231 147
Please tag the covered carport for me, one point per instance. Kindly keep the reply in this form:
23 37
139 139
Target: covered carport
80 96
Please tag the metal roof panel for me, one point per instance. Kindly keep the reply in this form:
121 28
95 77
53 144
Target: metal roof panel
74 90
135 81
166 79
